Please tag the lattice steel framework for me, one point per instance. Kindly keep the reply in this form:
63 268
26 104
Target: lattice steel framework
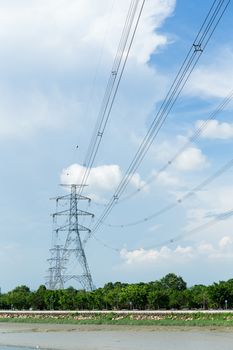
72 247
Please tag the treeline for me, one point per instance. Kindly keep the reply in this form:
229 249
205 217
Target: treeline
170 292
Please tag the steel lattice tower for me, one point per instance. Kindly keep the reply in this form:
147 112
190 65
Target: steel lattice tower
57 268
71 247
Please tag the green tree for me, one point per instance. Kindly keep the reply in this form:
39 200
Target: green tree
200 298
179 299
111 294
82 300
134 296
67 299
158 299
173 282
19 298
52 300
219 292
96 299
5 303
38 298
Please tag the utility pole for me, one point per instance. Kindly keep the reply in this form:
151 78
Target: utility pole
71 246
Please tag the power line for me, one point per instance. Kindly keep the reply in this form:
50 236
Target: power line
99 62
127 37
110 84
220 217
106 245
190 140
207 29
115 77
180 200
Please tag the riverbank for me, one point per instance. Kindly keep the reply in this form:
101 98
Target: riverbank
110 337
187 318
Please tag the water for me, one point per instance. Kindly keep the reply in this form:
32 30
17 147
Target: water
115 338
161 340
15 348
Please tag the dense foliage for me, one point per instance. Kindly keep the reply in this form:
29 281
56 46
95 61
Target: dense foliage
170 292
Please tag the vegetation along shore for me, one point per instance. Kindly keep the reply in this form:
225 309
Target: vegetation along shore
169 293
130 318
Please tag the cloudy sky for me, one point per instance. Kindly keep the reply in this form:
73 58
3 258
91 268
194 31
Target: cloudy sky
56 57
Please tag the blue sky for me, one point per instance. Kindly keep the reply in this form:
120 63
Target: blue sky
51 52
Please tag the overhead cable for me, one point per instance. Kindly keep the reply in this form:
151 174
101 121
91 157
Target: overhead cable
126 41
196 134
206 31
180 200
221 217
218 218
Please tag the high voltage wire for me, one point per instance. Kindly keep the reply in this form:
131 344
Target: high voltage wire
111 80
166 107
221 217
191 139
99 62
107 91
207 29
180 200
200 42
128 34
196 134
106 245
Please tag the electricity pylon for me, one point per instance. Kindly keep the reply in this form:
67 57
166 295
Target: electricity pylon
57 268
72 247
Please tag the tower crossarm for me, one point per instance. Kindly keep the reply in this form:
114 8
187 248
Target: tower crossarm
62 228
67 197
80 228
72 229
67 212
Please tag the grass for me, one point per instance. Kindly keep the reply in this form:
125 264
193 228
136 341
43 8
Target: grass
184 320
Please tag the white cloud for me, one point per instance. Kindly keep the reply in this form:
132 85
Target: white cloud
154 228
216 130
147 41
226 241
165 150
217 200
103 178
34 111
156 11
137 182
56 43
221 251
167 179
209 208
62 30
213 79
191 159
179 254
205 248
150 256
